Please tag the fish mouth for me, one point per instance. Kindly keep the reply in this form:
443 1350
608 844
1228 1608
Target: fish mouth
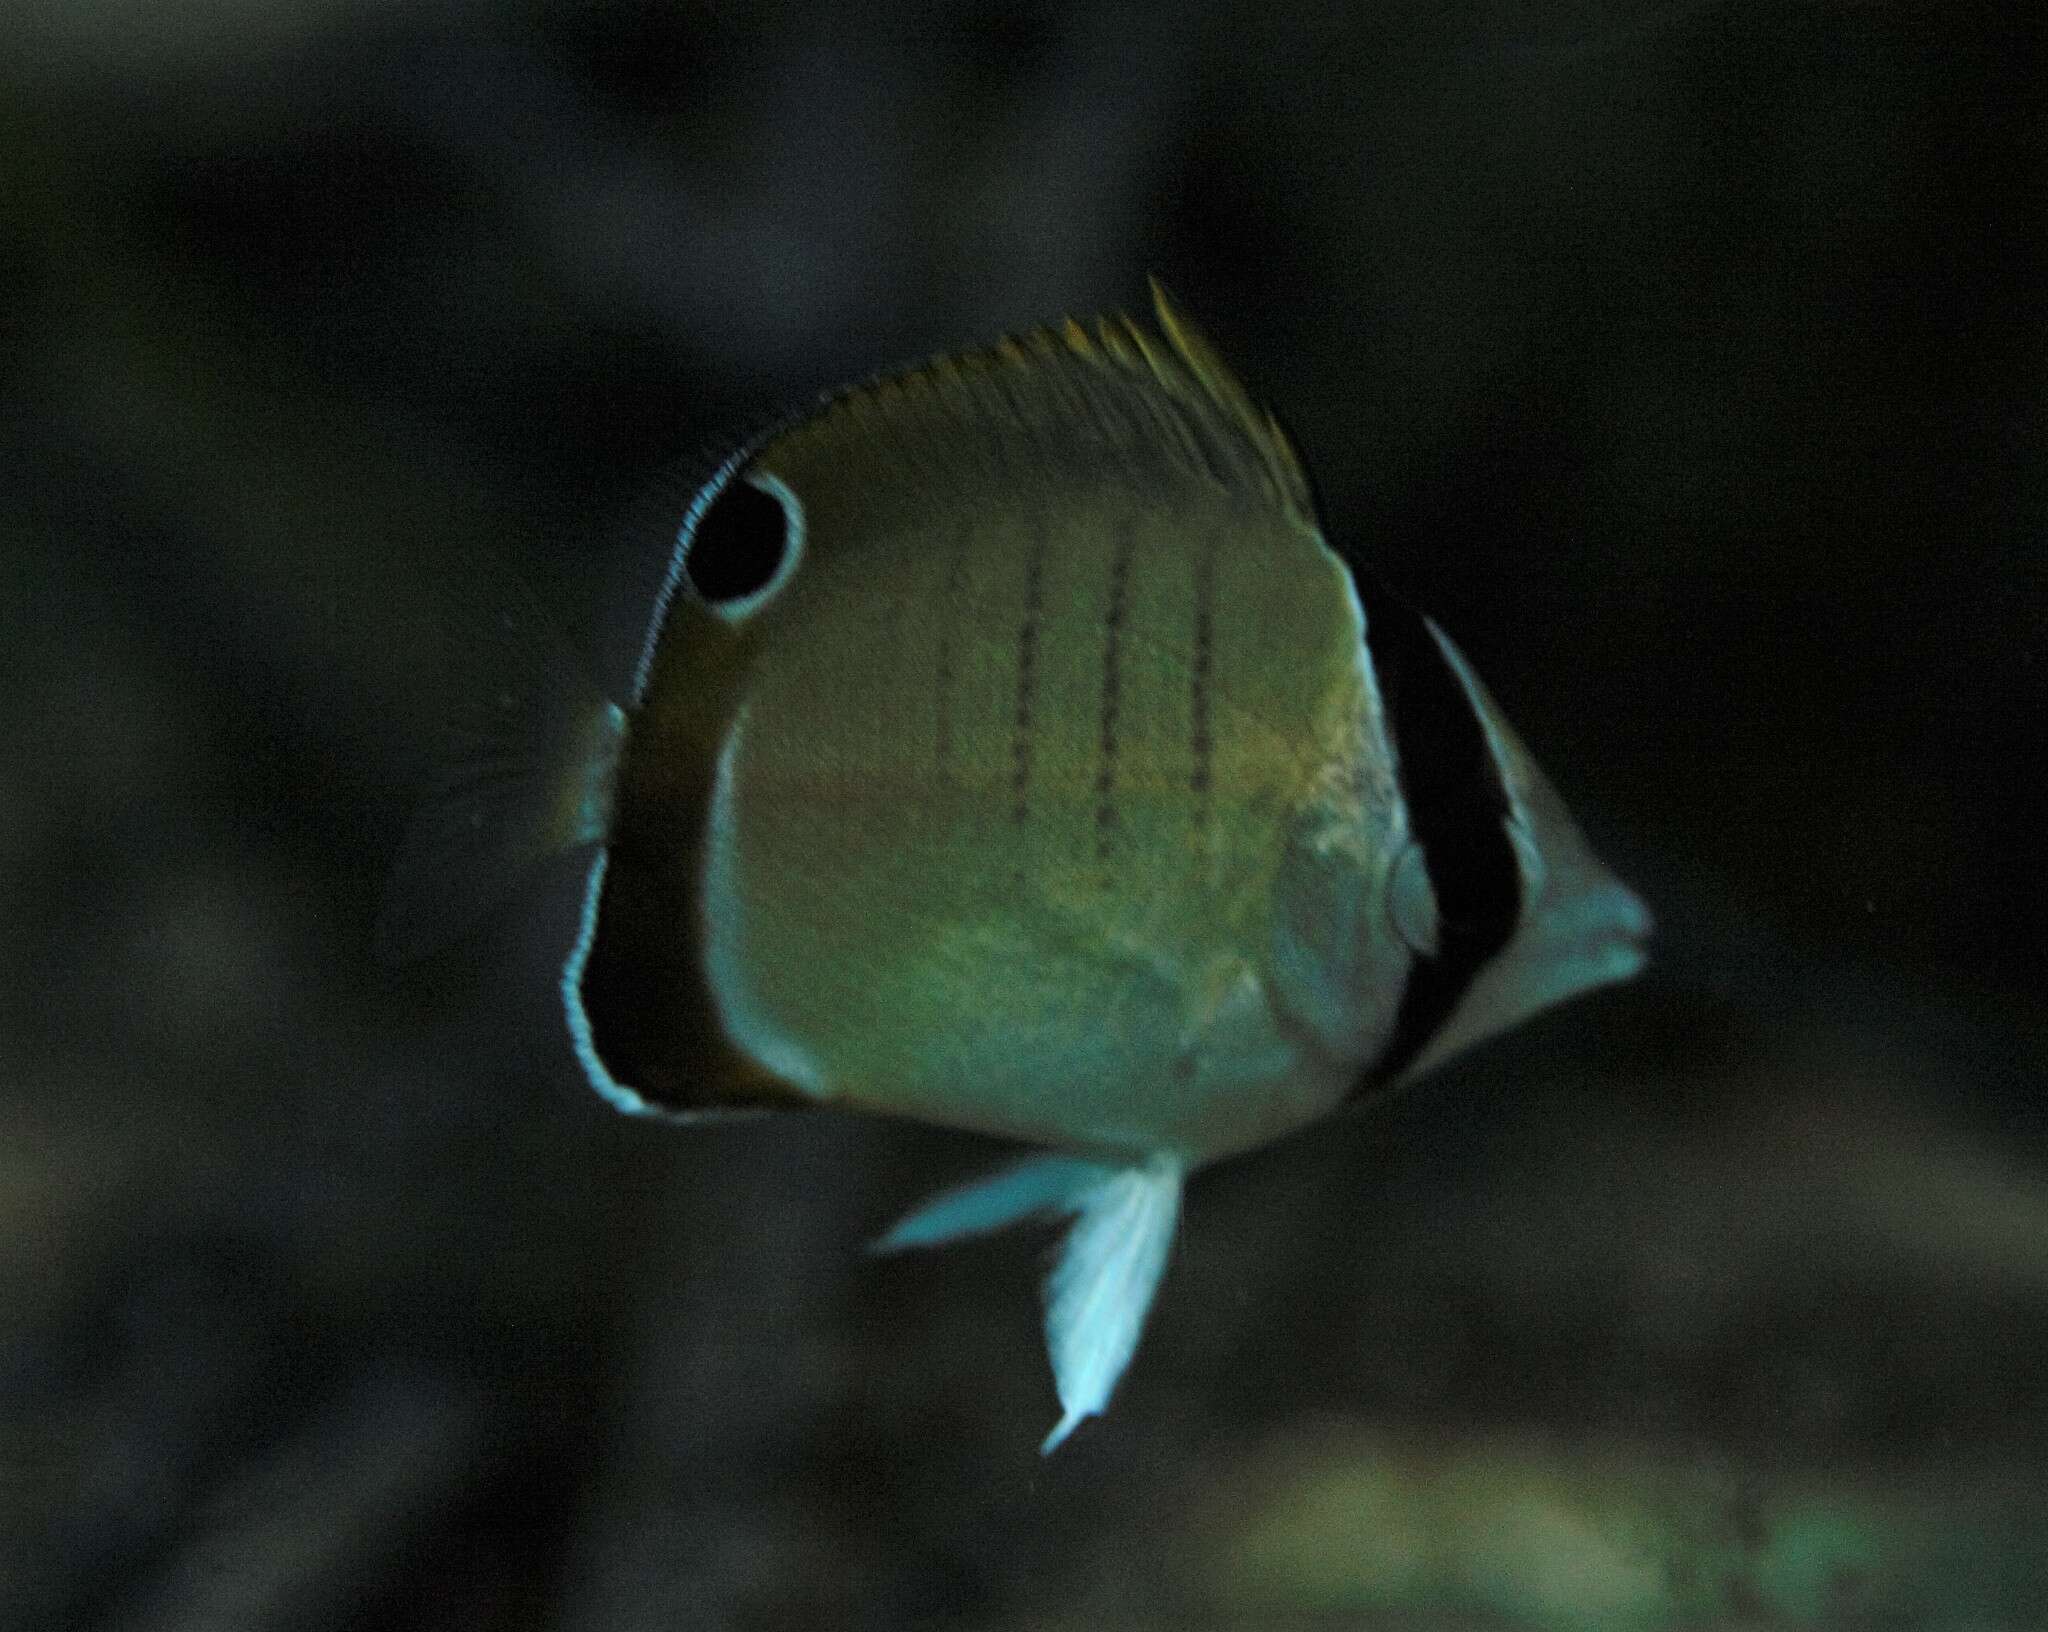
1622 947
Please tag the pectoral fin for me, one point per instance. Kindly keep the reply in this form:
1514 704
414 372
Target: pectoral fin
1101 1289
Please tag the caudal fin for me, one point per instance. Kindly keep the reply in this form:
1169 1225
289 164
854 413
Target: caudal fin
1109 1268
527 760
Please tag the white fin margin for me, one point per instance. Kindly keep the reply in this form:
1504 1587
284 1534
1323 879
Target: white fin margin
1101 1290
614 1092
672 573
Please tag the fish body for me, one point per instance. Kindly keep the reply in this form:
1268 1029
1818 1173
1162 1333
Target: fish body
1010 751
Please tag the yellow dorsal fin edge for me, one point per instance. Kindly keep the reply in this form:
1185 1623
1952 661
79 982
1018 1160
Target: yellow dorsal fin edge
1222 387
1178 362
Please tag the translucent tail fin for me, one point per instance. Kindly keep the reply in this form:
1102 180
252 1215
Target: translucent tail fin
527 764
1101 1289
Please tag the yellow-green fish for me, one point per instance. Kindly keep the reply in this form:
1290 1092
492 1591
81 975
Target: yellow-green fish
1009 750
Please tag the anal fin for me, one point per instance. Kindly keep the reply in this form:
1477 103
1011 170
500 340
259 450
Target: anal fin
1043 1184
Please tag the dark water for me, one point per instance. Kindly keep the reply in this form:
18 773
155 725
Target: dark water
1687 362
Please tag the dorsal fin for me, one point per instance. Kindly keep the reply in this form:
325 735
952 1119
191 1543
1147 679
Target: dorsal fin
1227 394
1109 399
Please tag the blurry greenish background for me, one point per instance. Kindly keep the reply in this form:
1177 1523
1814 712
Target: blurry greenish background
1688 362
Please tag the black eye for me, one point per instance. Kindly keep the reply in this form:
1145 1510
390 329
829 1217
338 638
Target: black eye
743 545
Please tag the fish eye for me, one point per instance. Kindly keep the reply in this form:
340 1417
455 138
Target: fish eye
744 545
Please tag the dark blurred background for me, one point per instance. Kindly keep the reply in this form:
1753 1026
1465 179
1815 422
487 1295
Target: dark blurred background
1688 362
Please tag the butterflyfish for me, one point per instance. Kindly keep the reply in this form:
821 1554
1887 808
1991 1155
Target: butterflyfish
1010 750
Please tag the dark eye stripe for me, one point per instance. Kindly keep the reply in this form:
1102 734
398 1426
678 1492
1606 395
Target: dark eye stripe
1457 811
